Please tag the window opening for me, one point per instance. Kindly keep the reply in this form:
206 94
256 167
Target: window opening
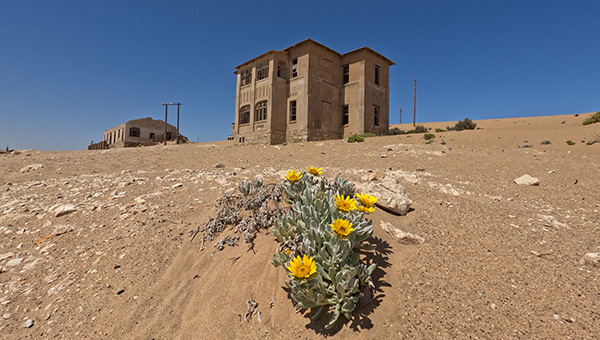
261 111
262 71
245 114
345 115
293 111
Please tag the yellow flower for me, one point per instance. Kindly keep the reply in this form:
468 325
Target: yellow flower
342 228
293 176
345 203
366 210
366 200
302 268
314 171
287 252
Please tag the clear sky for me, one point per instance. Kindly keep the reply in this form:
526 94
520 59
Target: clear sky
71 69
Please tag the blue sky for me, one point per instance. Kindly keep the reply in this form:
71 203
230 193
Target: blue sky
71 69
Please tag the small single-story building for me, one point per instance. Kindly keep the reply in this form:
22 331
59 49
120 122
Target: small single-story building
144 131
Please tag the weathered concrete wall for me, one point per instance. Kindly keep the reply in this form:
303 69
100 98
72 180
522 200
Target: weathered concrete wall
316 84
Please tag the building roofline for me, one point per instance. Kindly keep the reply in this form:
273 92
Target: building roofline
369 50
309 40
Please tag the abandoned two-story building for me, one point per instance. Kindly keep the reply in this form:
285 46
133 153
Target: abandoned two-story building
310 92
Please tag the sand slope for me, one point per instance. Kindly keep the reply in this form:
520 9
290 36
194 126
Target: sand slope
500 261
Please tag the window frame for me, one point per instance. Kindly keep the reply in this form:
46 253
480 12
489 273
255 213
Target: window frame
134 131
295 68
293 110
246 77
260 111
262 71
377 75
345 115
376 111
244 113
345 74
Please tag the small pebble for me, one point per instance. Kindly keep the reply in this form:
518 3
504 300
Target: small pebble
28 324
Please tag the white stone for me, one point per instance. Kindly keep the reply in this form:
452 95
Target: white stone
31 167
6 256
592 259
14 262
64 209
401 236
391 195
62 229
527 180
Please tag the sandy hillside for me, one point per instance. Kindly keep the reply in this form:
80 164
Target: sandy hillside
101 245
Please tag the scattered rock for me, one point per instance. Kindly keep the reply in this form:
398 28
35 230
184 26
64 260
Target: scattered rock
64 209
527 180
62 229
372 176
28 324
14 262
6 256
384 156
31 167
401 236
220 166
391 195
592 259
178 185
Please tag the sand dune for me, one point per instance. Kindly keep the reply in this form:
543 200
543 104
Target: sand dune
499 261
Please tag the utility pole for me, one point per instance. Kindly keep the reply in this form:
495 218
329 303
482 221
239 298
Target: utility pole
178 104
415 105
400 115
166 107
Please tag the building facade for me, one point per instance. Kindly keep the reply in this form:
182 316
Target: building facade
144 131
310 92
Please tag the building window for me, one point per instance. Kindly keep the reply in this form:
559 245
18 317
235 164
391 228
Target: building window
134 132
246 77
295 68
260 111
151 136
245 114
345 74
375 115
262 71
293 111
377 71
345 115
282 69
169 135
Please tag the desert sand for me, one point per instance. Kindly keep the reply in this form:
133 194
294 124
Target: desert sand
101 245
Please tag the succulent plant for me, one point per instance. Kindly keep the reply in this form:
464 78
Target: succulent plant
323 227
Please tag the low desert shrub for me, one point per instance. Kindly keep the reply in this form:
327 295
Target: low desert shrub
466 124
593 119
429 136
438 130
546 142
396 131
356 138
418 129
319 241
570 142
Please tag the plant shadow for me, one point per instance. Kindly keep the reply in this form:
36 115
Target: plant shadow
369 300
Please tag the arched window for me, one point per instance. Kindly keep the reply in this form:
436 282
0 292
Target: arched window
134 132
245 114
261 111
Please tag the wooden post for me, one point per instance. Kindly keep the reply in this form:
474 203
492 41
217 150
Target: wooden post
178 104
415 105
166 107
